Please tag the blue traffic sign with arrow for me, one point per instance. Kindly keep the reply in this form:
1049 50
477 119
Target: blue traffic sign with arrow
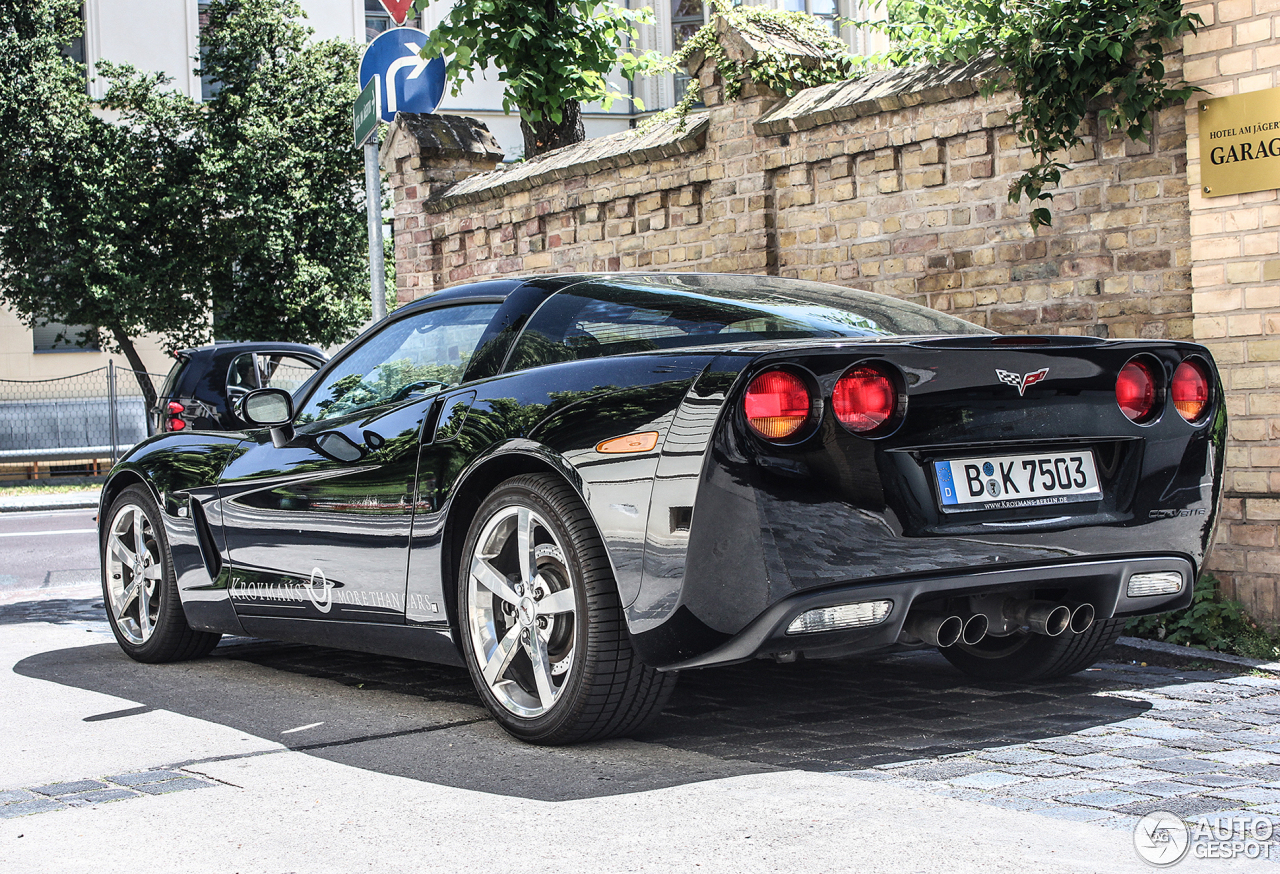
410 83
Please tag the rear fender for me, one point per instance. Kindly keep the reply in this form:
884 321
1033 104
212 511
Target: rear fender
550 419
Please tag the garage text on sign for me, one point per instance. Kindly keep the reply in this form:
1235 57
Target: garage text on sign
1240 143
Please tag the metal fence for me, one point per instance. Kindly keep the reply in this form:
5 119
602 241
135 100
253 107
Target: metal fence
94 415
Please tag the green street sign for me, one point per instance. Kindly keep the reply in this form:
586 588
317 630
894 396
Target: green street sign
364 114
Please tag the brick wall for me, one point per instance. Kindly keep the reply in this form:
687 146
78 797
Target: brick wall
1235 252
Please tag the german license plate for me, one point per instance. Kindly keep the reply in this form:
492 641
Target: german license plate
1000 482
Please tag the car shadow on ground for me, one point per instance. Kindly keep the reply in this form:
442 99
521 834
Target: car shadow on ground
425 721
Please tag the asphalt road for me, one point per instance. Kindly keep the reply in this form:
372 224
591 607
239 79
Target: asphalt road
48 550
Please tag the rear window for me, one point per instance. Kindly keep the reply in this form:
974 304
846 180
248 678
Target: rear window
171 381
593 319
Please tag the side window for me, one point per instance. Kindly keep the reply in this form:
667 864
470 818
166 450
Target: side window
267 370
241 376
411 357
284 371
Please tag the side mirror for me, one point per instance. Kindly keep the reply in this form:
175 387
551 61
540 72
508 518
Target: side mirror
270 408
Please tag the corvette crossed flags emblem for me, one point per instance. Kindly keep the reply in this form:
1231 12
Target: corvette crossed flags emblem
1021 381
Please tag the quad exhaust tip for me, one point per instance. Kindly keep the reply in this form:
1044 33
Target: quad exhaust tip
1042 617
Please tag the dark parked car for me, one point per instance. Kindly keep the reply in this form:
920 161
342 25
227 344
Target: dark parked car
577 486
205 383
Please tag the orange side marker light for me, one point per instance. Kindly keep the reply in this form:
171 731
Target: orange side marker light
642 442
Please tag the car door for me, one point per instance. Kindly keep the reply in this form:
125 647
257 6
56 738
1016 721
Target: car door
319 527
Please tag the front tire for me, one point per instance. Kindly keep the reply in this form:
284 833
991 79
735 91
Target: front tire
139 587
542 628
1024 656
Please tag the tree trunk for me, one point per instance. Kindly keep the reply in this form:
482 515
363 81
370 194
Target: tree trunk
135 362
547 135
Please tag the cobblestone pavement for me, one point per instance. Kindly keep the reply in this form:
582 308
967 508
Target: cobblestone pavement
82 793
1107 745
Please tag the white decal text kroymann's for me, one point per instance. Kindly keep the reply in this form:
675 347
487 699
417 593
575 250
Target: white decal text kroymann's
323 596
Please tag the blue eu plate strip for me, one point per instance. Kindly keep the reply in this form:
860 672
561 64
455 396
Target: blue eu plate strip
946 488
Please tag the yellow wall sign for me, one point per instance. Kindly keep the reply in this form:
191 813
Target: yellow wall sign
1240 143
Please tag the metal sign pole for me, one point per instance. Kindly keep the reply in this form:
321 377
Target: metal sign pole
373 209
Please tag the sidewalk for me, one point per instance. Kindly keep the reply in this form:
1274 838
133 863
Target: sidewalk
77 500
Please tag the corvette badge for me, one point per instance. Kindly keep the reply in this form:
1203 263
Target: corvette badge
1022 381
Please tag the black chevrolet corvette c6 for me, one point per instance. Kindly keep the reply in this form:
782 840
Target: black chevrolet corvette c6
577 486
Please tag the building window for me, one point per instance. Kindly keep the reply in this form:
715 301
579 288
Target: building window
57 337
686 20
377 20
74 50
825 10
208 87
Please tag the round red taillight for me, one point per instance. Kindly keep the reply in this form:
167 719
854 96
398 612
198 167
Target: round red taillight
864 398
777 404
1190 390
176 424
1136 391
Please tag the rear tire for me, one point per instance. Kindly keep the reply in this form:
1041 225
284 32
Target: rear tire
139 587
1023 656
542 628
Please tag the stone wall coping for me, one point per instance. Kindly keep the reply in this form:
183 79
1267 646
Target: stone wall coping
875 93
616 150
442 136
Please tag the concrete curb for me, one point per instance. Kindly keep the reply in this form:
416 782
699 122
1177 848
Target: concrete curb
65 501
1190 652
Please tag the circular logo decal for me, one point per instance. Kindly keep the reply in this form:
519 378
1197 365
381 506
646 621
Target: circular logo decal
988 469
320 591
993 488
1161 839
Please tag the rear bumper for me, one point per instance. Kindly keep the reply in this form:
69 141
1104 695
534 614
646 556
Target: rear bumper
1101 583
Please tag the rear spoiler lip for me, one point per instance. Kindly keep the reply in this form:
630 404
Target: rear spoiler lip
977 342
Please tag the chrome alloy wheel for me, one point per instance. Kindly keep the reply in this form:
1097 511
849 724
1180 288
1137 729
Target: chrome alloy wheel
134 574
521 611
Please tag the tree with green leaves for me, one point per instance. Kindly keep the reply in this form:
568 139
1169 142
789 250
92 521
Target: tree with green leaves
287 247
149 213
551 55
